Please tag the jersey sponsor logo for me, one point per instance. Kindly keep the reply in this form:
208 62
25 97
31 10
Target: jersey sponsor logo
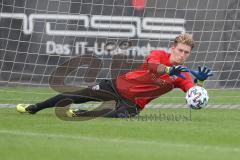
105 26
174 77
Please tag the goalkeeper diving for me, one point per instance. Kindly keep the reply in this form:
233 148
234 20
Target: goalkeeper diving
160 73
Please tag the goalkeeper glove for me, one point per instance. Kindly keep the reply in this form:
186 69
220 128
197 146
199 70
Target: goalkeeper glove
176 70
202 74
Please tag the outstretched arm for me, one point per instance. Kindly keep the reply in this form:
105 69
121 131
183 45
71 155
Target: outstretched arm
173 70
155 63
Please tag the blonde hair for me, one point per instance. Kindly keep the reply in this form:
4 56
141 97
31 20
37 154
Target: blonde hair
186 39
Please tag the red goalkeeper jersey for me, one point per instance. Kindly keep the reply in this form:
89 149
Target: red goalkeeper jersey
145 84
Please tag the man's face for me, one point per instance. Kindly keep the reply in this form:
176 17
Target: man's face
180 53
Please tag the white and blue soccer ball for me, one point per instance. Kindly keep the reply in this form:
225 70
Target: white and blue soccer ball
197 97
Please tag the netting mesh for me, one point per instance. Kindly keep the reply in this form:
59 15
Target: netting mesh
36 36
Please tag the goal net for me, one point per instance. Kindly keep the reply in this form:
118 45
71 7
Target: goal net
37 36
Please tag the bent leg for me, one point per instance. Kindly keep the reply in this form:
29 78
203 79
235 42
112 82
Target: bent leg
121 110
99 92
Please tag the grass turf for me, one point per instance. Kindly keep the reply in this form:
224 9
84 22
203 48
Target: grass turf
15 95
211 134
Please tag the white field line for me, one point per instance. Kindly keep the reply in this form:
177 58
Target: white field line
119 141
218 106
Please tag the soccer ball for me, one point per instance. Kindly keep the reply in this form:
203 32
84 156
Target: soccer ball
197 97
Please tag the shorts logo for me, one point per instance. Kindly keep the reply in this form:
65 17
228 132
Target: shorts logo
96 87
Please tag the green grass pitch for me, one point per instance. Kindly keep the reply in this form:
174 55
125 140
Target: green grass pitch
210 134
